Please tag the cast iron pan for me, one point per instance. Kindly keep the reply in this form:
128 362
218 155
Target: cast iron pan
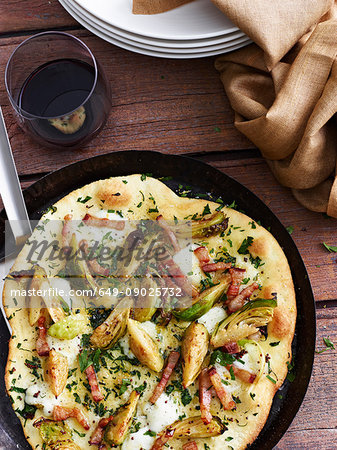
205 180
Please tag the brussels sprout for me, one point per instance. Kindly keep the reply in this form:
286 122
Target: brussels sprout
113 328
194 348
145 306
215 224
57 372
69 327
203 303
77 268
55 435
245 322
40 282
193 428
144 347
118 428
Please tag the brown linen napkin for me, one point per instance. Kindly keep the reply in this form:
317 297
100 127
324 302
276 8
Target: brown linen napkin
286 104
155 6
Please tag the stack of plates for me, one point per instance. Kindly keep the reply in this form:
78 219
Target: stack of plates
197 29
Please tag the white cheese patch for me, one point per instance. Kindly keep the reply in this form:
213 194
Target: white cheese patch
250 273
104 214
39 395
69 348
212 318
138 440
162 413
189 264
124 343
232 386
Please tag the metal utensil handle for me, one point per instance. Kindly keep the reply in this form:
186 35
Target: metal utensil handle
10 188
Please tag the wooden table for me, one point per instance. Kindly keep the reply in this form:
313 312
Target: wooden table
179 106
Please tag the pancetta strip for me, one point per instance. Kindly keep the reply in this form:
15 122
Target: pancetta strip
171 363
42 346
205 396
224 397
92 379
170 234
61 413
239 300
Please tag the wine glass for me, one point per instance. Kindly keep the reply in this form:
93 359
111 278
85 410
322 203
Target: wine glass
57 89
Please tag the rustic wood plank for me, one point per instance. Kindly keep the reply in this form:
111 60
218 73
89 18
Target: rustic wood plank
19 15
171 106
325 439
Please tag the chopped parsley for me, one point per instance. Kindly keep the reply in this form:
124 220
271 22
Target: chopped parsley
186 397
290 229
328 344
150 433
84 200
247 242
206 210
274 344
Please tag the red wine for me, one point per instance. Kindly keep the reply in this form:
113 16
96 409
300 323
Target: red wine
58 88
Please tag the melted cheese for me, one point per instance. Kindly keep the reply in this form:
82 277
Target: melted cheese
39 395
138 441
189 264
163 413
212 318
68 348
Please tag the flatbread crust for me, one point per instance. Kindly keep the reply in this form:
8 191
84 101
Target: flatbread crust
136 194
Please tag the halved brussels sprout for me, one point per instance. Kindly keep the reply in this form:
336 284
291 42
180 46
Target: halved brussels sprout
113 328
77 268
41 283
55 435
194 348
56 371
245 322
194 427
118 428
144 347
210 226
146 305
69 327
203 303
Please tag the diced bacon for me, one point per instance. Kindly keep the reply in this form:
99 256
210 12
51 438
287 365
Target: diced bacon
171 363
42 346
66 231
224 397
179 277
97 436
239 300
61 413
107 223
93 264
192 445
237 276
205 396
203 256
231 347
163 439
95 390
214 267
242 374
170 234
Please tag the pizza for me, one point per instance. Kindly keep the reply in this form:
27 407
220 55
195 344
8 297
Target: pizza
180 339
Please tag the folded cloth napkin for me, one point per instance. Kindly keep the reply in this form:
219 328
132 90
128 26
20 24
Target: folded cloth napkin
155 6
284 91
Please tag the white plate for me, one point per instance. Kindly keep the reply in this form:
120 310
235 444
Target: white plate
154 41
199 19
101 25
139 49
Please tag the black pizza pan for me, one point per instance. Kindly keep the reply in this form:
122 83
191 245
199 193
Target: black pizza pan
206 182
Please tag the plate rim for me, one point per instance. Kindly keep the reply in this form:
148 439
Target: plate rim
197 43
141 50
154 35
